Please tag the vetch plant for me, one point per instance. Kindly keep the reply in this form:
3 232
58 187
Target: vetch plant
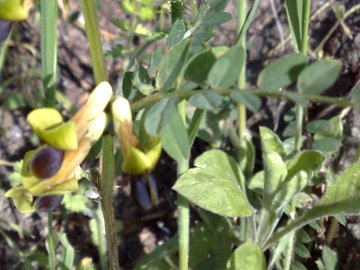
250 212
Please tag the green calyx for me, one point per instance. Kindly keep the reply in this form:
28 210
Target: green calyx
138 162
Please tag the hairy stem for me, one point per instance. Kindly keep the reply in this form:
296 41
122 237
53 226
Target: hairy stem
241 7
106 184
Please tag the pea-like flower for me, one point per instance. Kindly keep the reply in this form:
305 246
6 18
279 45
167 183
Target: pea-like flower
139 157
52 168
15 10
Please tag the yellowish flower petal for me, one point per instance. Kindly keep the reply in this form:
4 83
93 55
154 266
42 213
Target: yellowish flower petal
95 105
123 124
22 199
14 10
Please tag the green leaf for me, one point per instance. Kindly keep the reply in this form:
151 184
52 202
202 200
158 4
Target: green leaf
326 145
282 72
171 65
248 256
355 97
329 258
216 184
206 100
273 154
68 252
307 161
216 19
296 265
143 82
76 202
246 154
271 142
344 195
127 83
301 250
159 115
15 177
177 33
328 128
175 140
294 10
287 190
249 100
199 66
193 129
227 68
155 60
318 77
248 20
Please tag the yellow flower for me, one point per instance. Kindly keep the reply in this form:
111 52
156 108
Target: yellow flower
15 10
73 138
137 159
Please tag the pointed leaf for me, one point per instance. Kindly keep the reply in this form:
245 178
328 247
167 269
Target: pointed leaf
171 65
306 161
175 139
344 195
275 169
282 72
217 185
177 33
159 115
199 66
294 10
318 77
227 68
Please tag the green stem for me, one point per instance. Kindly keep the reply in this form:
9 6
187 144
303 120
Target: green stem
289 252
107 158
308 216
241 7
100 224
304 47
184 231
106 190
7 163
51 243
299 124
150 100
184 210
93 35
48 46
